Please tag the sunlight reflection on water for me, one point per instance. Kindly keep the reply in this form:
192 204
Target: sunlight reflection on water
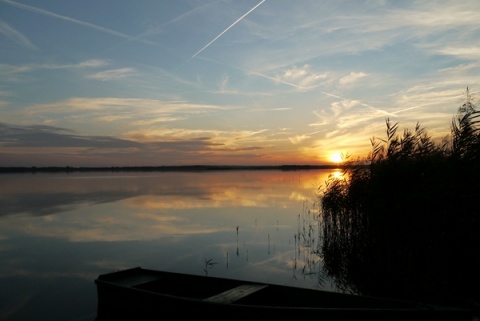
58 228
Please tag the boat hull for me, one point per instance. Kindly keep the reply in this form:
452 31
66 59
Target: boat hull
142 294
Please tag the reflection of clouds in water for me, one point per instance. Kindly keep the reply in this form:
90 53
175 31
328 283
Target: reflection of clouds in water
219 198
45 194
298 196
59 202
170 221
153 206
108 222
159 218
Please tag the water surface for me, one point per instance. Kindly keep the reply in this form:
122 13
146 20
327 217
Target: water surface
59 231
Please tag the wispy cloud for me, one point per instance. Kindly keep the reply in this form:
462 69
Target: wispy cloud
132 112
336 110
352 77
17 74
48 136
132 104
69 19
112 74
224 83
93 63
302 77
219 140
439 16
156 29
353 65
467 67
472 52
153 30
16 36
297 139
224 31
279 80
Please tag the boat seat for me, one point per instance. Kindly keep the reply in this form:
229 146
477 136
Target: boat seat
236 293
136 280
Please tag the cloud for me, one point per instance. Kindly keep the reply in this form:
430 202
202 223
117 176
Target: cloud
65 18
153 30
148 142
14 35
9 69
348 118
352 77
441 17
40 145
91 63
298 139
461 68
200 144
209 142
363 29
430 105
301 76
336 110
112 74
131 112
224 83
49 136
472 53
223 88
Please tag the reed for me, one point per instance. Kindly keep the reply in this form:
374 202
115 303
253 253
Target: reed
208 265
404 222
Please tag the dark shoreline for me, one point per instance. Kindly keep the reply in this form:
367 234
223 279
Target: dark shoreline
186 168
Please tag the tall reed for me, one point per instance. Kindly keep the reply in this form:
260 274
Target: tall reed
405 221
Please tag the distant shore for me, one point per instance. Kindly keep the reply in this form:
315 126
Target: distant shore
186 168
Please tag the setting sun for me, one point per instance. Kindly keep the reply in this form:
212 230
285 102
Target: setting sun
336 157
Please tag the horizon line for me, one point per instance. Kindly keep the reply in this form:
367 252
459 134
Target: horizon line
4 169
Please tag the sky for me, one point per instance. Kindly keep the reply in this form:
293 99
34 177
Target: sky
241 82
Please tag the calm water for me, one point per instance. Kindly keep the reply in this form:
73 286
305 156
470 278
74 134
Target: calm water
58 232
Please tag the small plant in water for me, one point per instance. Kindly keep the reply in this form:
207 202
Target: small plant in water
208 265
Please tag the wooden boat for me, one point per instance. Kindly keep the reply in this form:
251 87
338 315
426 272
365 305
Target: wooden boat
143 294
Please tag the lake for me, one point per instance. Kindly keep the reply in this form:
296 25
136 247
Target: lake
59 231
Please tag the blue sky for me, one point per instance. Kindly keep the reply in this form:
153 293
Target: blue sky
126 83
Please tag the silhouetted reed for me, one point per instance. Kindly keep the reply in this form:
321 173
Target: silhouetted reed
208 265
306 244
405 221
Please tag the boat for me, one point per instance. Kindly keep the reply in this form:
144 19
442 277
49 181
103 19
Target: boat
145 294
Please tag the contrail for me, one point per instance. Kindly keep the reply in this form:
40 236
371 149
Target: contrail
159 28
229 27
83 23
15 35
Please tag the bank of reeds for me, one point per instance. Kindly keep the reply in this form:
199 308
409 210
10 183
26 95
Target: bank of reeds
405 221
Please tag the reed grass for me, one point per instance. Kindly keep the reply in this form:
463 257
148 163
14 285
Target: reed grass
208 265
405 221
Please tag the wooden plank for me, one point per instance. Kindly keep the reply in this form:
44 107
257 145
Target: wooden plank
235 294
135 280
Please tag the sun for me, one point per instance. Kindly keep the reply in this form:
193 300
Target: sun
336 157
